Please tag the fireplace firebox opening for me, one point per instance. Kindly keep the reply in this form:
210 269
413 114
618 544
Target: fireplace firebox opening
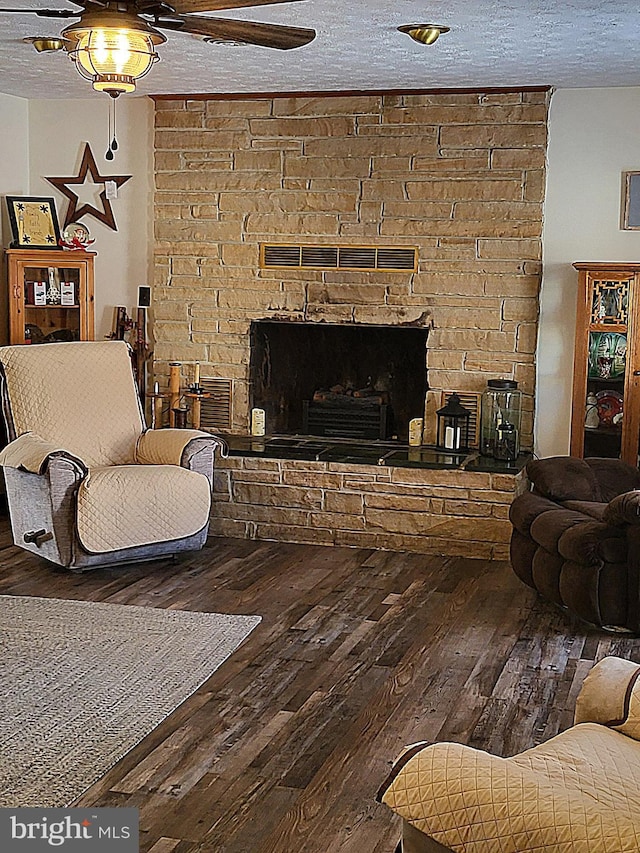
343 381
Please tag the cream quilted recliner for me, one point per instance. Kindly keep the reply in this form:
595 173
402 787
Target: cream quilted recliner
86 483
577 793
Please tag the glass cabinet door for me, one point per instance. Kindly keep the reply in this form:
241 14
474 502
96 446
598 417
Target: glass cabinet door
604 403
50 295
52 298
605 408
606 367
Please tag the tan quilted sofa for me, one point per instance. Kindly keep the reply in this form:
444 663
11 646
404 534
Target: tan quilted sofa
577 793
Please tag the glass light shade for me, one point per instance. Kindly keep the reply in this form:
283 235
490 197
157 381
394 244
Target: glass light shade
113 49
114 57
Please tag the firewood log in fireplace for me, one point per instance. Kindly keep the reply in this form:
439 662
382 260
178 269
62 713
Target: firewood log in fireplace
328 398
338 395
368 391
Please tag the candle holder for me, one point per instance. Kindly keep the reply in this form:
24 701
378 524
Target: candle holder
178 411
157 399
196 394
180 417
174 390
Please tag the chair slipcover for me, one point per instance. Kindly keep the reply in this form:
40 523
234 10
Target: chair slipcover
81 469
577 793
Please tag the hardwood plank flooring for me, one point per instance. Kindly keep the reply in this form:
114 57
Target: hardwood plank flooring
359 653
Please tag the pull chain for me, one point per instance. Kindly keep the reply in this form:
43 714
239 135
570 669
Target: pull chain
109 153
113 142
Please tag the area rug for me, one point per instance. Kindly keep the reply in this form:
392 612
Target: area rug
82 683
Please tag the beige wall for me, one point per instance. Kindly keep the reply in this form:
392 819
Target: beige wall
58 130
14 153
14 145
594 135
46 137
14 177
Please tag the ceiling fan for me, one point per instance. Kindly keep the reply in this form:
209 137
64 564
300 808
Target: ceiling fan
113 42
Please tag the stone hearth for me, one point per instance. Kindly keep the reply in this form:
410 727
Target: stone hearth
428 511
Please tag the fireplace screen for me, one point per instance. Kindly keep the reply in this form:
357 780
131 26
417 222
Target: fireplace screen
343 381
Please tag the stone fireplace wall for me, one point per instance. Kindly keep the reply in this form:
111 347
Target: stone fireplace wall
459 176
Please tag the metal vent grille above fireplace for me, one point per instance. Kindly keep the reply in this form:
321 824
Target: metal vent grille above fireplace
387 258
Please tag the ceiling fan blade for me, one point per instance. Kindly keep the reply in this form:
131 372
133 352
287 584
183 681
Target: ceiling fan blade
184 6
247 32
45 13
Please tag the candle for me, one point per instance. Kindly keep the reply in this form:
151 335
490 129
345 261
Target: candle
416 426
449 438
196 380
156 387
452 437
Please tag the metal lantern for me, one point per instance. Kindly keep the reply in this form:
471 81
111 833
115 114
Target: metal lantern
453 425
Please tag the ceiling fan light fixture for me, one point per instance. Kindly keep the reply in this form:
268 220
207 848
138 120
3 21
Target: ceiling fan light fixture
424 33
113 50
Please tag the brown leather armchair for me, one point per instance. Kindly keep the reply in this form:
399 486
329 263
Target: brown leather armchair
576 538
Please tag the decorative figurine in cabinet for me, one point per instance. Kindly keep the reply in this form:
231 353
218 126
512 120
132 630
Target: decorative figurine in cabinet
50 295
607 362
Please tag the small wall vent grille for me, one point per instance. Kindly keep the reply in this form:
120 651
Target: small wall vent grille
215 411
387 258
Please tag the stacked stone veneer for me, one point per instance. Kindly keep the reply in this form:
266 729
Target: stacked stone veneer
458 513
459 176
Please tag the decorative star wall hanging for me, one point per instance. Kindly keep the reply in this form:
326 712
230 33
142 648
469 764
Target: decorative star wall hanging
75 212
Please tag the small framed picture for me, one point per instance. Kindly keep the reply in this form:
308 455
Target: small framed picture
630 201
34 222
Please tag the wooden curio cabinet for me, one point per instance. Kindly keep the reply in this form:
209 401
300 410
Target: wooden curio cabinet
605 418
50 295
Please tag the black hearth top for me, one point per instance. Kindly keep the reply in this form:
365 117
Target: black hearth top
386 453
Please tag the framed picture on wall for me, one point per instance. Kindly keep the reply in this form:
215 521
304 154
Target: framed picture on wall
34 222
631 201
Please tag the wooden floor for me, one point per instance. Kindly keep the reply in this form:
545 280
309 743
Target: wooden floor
358 653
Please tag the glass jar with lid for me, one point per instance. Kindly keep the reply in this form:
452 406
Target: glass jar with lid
501 404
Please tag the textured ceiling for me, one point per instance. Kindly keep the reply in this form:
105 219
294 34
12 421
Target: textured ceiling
560 43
